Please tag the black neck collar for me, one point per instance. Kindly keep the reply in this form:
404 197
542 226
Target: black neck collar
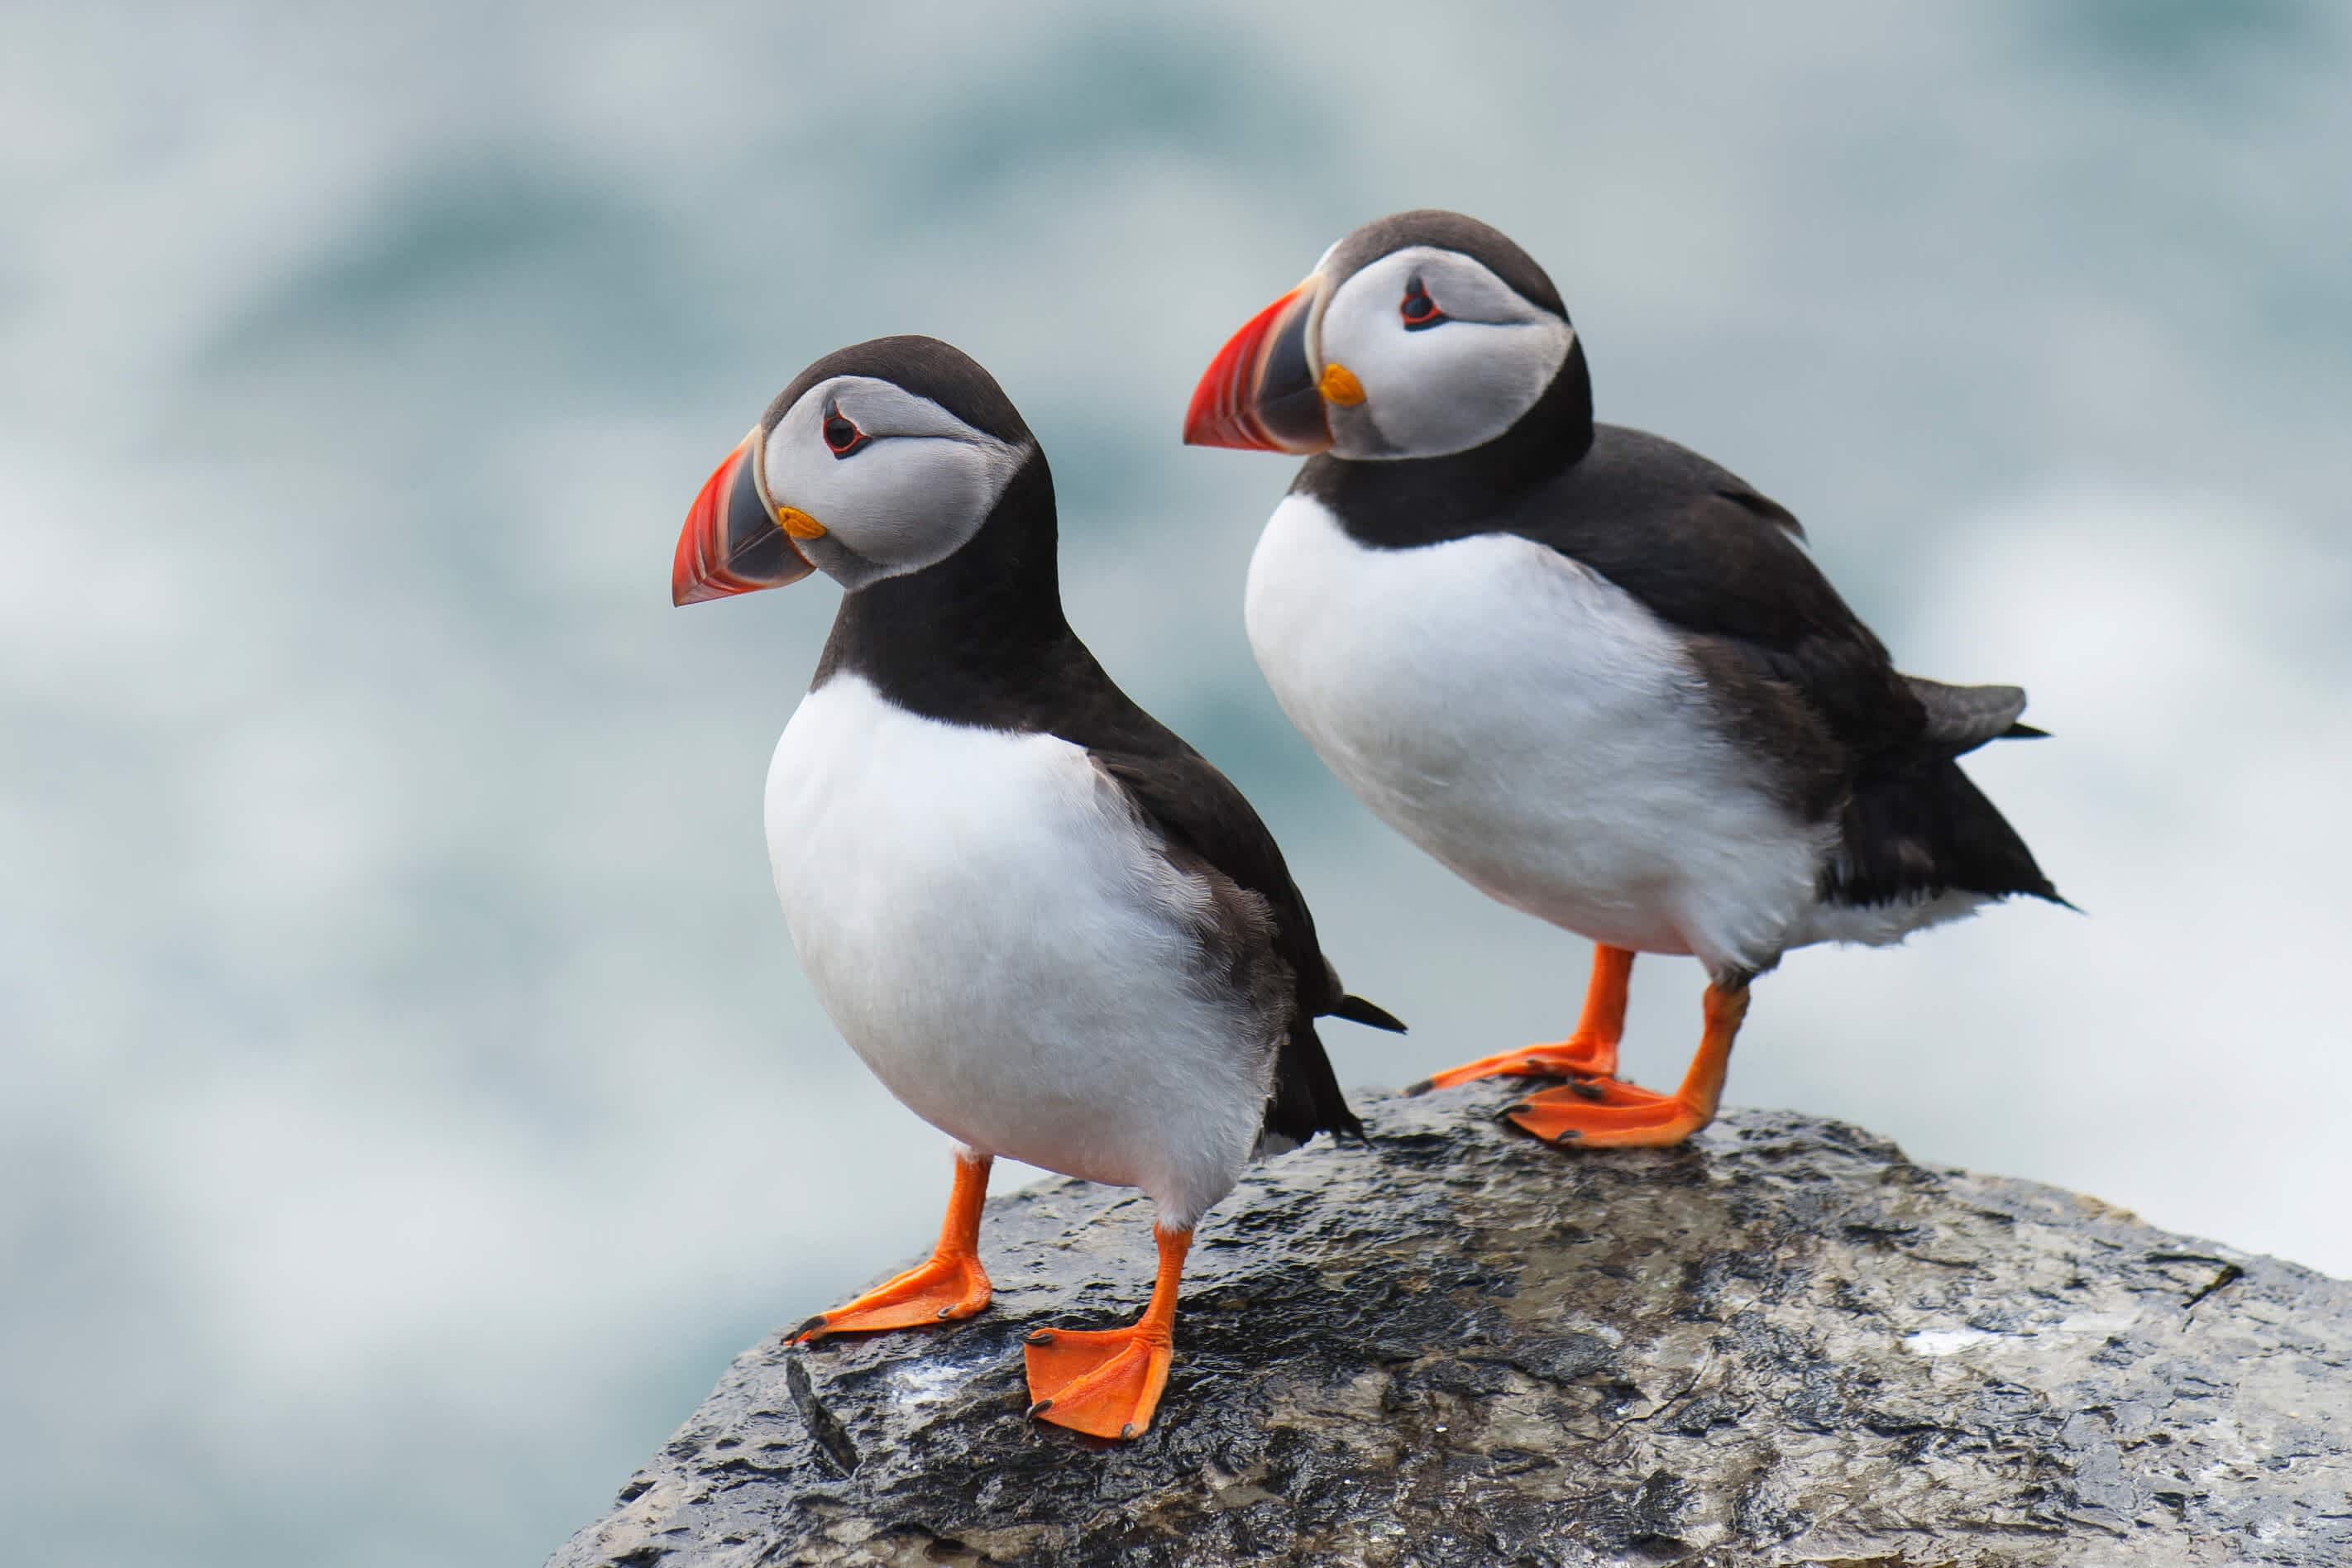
1404 503
978 638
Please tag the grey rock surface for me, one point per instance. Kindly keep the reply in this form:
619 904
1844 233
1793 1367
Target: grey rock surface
1784 1343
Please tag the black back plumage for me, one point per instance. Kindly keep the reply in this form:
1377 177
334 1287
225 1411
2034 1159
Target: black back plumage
980 639
1794 675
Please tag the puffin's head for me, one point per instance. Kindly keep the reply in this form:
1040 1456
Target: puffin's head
878 460
1418 336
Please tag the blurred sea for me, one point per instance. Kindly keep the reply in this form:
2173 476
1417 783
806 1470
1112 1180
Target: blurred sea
408 1095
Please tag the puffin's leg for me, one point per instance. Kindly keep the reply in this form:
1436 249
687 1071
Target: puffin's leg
1590 1052
1609 1114
1107 1382
949 1284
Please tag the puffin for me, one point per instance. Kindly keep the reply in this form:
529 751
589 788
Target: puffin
1050 927
1594 674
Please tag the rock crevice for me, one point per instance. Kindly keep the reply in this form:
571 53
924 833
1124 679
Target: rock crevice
1782 1344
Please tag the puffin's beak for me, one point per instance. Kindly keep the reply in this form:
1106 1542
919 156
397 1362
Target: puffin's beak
733 541
1263 392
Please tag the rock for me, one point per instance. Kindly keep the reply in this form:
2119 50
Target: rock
1784 1343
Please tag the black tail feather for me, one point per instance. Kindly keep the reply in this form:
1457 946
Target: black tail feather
1926 831
1962 717
1306 1098
1372 1016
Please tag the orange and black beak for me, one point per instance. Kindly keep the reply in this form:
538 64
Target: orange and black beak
1264 392
734 540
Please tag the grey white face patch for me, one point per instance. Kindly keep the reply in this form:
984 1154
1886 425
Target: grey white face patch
1444 355
891 482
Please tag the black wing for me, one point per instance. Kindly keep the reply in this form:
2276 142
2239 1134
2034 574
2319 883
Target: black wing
1204 818
1720 562
1794 672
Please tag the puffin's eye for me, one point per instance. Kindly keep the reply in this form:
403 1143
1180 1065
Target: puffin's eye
841 435
1419 310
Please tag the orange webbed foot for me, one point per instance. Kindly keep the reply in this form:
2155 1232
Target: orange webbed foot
1576 1056
1105 1383
948 1284
1608 1115
1590 1052
940 1289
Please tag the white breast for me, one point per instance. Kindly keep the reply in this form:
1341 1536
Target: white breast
991 929
1535 728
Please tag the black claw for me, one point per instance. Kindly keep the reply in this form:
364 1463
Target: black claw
1586 1089
1042 1337
1567 1135
808 1328
1521 1108
1127 1430
1040 1408
1423 1086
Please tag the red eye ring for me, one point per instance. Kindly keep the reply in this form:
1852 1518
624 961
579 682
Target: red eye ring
1417 309
841 435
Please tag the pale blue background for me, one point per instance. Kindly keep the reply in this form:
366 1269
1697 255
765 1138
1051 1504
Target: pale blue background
408 1096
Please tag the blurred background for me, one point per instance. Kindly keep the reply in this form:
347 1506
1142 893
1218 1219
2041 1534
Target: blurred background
409 1096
